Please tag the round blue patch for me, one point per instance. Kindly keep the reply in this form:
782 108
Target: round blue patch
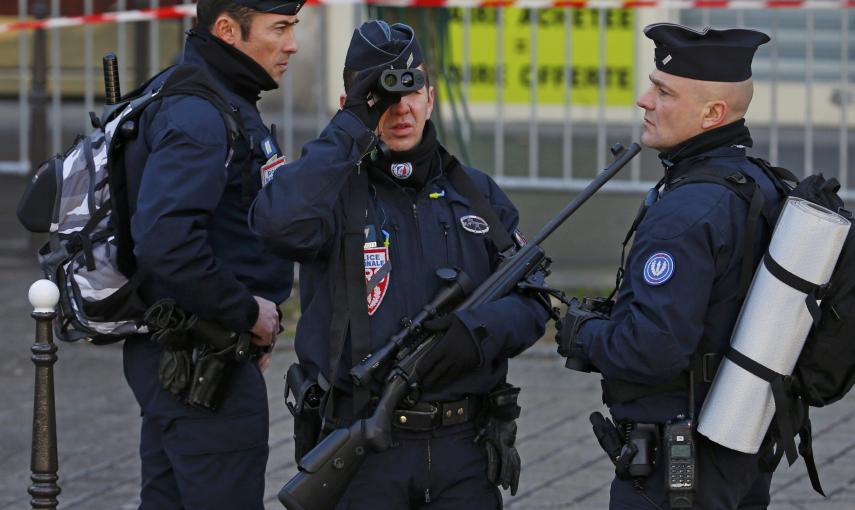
659 268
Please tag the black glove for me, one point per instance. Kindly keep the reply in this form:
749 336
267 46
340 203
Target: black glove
366 101
455 353
170 326
498 436
568 329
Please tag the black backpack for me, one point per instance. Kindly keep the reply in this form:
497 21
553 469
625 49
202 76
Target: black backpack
825 370
80 200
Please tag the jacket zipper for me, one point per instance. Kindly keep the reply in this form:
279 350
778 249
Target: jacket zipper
445 236
427 489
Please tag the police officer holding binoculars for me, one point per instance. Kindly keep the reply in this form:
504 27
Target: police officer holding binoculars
373 211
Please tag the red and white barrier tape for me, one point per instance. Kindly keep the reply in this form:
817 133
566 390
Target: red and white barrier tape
180 11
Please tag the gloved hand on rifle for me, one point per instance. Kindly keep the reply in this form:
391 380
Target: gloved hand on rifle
578 313
454 354
366 100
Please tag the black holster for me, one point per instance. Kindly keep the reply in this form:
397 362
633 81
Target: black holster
197 353
305 409
632 447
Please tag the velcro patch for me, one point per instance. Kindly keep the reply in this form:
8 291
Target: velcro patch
376 260
474 224
270 168
659 268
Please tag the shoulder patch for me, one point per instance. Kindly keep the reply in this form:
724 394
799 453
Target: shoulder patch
659 268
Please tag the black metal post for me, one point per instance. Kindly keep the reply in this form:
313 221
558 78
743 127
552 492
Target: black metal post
38 93
43 461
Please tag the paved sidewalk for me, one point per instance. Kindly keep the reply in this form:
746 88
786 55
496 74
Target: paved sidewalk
562 465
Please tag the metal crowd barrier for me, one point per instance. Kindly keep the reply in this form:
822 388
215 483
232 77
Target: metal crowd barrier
809 57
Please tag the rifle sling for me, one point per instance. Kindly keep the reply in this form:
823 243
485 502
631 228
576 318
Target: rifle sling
497 233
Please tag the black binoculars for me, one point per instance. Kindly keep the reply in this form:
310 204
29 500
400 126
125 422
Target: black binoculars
401 81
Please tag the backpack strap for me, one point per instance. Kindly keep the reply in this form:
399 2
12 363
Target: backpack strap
806 450
789 411
783 179
191 80
780 384
814 292
749 191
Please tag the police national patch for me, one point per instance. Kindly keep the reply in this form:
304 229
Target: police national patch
659 268
377 269
402 170
270 168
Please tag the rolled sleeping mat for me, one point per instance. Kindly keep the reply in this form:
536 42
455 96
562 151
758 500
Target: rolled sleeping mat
773 324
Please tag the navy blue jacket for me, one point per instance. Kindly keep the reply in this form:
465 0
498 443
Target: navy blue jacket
300 212
188 224
667 311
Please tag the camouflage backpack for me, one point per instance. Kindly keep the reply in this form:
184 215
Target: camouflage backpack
80 200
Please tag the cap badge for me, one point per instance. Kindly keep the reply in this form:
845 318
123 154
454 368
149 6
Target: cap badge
666 60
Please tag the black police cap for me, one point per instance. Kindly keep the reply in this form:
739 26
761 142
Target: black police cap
288 8
376 43
708 55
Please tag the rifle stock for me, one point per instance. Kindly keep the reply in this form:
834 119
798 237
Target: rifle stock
326 471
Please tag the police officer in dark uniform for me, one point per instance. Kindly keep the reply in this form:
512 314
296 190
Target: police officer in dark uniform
412 221
684 278
190 188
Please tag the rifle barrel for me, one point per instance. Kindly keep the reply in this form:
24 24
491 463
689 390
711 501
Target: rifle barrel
610 171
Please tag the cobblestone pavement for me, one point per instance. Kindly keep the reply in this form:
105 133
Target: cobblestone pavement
562 465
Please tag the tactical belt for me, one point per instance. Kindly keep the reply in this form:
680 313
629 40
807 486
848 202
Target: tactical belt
426 416
616 391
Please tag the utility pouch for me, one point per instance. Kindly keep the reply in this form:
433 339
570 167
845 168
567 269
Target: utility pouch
645 438
305 409
498 436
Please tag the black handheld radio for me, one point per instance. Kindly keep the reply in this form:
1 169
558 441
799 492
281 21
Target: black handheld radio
681 469
681 473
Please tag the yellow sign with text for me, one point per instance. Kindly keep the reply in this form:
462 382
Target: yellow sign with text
553 72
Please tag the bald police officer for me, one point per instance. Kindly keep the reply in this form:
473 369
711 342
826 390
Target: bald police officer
379 176
681 290
187 184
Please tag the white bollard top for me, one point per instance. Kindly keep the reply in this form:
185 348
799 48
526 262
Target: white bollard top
43 295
